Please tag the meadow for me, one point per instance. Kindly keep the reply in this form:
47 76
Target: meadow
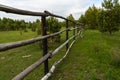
96 56
14 61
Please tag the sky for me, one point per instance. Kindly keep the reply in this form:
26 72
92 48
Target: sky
59 7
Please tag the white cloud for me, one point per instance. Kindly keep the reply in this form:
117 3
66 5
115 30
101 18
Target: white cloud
60 7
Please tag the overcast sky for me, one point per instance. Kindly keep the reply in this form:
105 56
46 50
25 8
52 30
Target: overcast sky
60 7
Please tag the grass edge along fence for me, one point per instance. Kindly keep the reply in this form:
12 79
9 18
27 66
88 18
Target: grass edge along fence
46 54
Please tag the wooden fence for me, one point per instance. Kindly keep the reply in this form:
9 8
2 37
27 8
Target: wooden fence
46 54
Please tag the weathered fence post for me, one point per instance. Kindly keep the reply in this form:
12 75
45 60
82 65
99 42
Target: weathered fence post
77 29
44 43
67 34
74 30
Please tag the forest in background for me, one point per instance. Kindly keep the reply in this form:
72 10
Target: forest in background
105 19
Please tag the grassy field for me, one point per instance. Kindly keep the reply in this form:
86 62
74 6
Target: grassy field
10 36
94 57
13 62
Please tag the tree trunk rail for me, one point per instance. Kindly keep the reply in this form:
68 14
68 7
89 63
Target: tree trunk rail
77 29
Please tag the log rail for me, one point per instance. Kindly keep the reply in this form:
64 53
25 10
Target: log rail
77 29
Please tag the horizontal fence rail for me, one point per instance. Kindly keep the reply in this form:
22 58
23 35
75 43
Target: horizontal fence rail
56 63
40 61
19 11
46 55
24 73
54 15
11 45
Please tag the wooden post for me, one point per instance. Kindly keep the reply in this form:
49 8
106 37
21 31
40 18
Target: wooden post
44 43
67 34
74 31
77 29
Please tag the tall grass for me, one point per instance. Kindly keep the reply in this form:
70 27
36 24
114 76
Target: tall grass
94 57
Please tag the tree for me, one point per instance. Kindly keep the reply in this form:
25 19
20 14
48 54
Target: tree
82 19
70 17
33 26
107 4
116 11
1 25
108 17
38 25
53 26
91 17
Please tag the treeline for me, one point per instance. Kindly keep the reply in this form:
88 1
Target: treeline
7 24
53 25
105 19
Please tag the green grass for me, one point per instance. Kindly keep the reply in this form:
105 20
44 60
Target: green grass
10 36
94 57
12 61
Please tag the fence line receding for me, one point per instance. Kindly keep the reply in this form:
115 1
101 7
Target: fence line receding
46 55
